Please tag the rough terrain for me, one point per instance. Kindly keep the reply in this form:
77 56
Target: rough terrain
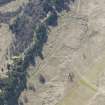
76 46
73 69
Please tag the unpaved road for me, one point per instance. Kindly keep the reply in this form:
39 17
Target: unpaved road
77 46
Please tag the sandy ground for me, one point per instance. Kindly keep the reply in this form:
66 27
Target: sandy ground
76 46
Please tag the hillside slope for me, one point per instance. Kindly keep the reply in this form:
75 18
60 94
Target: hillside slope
74 64
27 25
52 63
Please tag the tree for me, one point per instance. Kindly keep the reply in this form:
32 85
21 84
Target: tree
41 32
52 18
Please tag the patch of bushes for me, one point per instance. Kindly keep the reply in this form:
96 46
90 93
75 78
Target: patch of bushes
52 19
16 81
41 33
